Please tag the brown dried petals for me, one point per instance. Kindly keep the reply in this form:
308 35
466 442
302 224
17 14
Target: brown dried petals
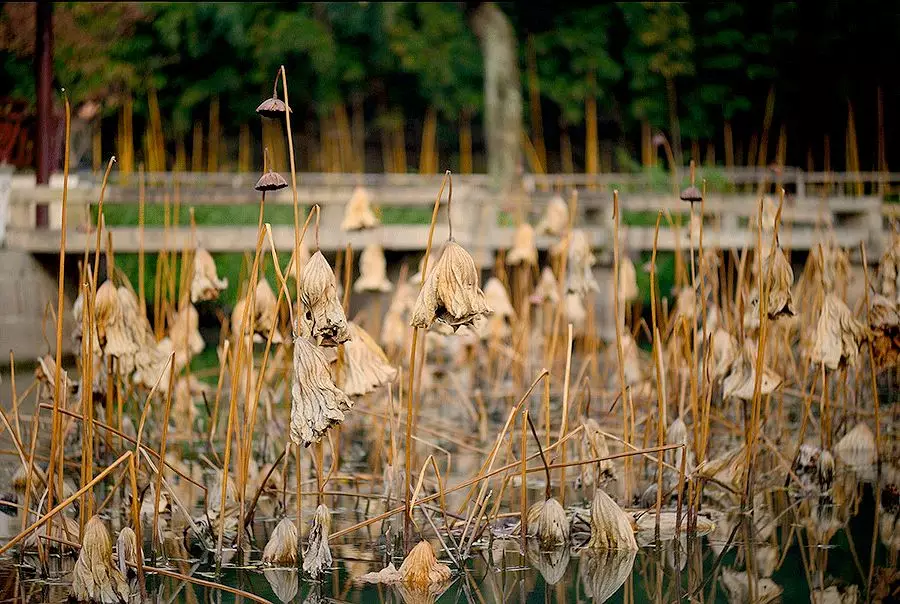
317 556
94 578
324 319
316 403
281 550
450 293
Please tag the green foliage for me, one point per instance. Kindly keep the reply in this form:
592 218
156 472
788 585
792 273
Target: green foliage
574 60
433 43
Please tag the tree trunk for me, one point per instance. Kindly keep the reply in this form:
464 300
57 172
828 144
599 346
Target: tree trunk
502 92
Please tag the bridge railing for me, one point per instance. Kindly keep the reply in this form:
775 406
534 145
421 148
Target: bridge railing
847 205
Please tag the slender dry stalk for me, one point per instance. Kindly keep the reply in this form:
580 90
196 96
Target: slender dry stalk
56 442
162 455
412 354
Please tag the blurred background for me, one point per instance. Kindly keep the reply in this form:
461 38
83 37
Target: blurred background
401 86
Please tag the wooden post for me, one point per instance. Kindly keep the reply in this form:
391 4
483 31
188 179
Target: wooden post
43 76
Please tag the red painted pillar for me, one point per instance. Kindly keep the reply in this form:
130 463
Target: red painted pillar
43 79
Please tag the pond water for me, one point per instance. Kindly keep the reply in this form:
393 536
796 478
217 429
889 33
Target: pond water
699 569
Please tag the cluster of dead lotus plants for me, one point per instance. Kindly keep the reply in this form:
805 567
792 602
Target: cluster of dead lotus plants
756 392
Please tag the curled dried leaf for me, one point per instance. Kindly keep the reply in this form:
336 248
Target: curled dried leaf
628 287
372 271
205 282
126 550
95 578
450 292
281 550
395 326
889 270
547 289
556 217
184 333
317 556
724 352
316 403
358 212
548 524
324 318
780 277
365 366
839 335
610 526
579 267
524 250
421 568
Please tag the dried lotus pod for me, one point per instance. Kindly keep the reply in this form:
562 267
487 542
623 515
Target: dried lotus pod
610 526
324 317
365 366
691 194
547 289
127 550
316 403
270 181
95 578
421 568
839 335
523 251
548 524
450 292
205 283
780 276
372 271
281 549
358 212
555 220
317 556
273 108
